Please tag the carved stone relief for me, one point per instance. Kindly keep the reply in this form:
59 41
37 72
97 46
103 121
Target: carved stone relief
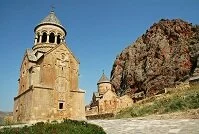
60 84
62 64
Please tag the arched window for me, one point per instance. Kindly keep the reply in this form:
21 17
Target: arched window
58 39
52 38
44 37
38 38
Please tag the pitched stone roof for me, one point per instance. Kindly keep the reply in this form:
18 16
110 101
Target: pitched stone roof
97 95
31 55
51 19
103 79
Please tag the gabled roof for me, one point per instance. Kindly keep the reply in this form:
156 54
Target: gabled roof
110 92
52 20
62 44
31 55
97 95
103 79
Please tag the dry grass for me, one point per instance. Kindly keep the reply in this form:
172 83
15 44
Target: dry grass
174 101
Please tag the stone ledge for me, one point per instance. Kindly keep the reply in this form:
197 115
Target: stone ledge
78 91
31 88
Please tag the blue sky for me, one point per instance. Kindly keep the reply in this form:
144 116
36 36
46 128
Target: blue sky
98 30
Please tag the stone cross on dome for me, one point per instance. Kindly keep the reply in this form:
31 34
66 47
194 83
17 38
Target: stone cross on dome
52 8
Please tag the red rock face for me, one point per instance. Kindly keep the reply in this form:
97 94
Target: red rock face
164 56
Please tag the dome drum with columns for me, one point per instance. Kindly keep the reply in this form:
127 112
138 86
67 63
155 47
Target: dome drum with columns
49 33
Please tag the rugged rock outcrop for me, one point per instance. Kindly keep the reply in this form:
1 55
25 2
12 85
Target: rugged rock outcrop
162 57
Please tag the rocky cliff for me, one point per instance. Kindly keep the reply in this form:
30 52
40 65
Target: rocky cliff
162 57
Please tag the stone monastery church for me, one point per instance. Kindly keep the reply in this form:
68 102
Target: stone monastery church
105 100
48 82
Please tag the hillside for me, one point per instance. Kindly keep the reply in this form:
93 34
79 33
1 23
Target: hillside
164 56
178 103
3 114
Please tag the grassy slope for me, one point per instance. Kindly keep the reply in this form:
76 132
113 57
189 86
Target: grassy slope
175 101
66 127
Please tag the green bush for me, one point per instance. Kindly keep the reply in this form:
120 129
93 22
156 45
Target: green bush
66 127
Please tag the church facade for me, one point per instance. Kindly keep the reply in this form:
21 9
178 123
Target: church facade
48 83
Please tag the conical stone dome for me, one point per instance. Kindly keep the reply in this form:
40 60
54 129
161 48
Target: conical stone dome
103 79
51 19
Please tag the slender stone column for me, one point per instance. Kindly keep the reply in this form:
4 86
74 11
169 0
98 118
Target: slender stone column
35 41
55 39
47 41
40 37
62 39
